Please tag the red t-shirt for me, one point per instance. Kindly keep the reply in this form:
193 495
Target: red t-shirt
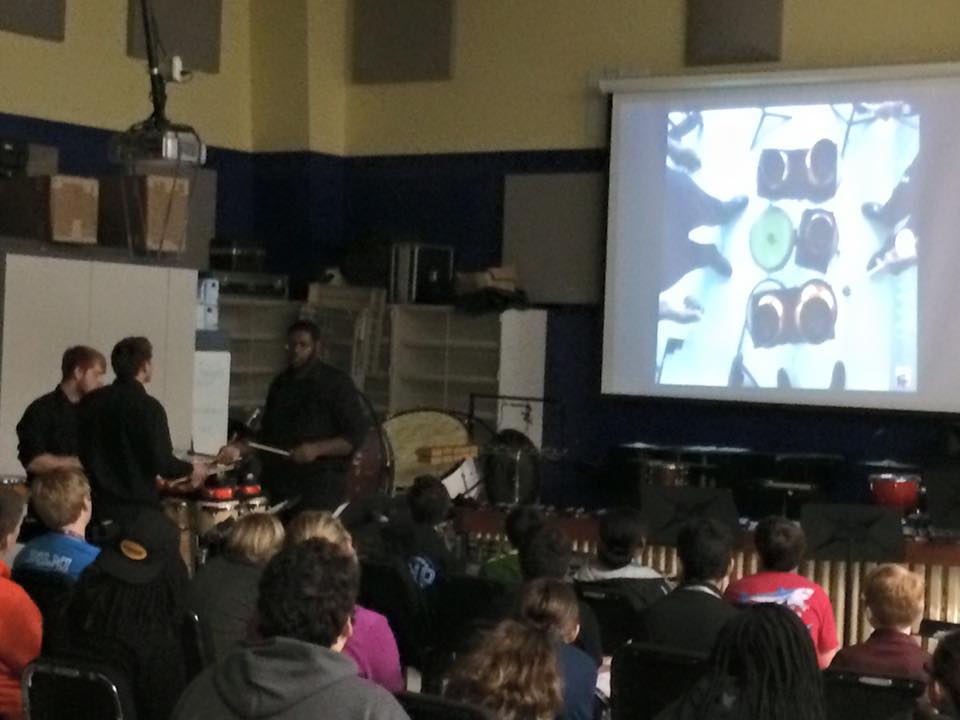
20 629
804 597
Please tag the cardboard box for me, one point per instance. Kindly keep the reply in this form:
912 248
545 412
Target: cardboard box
148 212
495 278
62 208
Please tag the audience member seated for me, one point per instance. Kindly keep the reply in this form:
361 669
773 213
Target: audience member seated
763 667
551 605
618 552
9 554
297 670
371 645
691 616
20 623
894 599
418 543
521 522
128 611
61 499
513 673
943 691
781 544
224 591
546 554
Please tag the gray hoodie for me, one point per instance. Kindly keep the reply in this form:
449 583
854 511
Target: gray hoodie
288 680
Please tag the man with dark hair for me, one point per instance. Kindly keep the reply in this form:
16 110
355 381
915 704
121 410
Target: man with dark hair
781 544
125 439
313 412
47 431
690 617
307 597
546 554
521 522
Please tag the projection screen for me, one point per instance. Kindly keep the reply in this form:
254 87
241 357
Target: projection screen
786 238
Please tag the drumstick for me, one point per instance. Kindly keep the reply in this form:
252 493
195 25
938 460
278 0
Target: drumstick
269 449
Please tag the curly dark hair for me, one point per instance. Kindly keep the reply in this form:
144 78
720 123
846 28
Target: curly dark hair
307 592
780 543
765 659
428 500
621 536
129 355
546 553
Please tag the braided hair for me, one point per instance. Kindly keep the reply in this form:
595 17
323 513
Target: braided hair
765 660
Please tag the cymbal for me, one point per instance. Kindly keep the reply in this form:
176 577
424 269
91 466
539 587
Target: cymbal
886 463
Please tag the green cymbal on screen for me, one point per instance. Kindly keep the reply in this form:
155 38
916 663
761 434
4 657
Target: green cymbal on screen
771 239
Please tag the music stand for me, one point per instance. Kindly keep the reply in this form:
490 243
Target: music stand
865 533
666 509
942 485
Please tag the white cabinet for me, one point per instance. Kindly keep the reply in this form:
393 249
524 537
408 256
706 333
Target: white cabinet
51 303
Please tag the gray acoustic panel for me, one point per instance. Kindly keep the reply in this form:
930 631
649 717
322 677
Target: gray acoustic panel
188 28
553 234
406 41
38 18
723 32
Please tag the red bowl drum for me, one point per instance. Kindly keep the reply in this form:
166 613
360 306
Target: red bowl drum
896 491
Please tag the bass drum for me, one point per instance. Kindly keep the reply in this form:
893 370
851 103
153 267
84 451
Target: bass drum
412 430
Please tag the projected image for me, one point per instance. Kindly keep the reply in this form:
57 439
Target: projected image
789 248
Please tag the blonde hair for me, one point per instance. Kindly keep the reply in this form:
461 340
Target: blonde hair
256 537
58 497
514 674
319 524
550 605
894 596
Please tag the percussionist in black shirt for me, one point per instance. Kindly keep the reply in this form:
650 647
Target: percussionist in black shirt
47 432
125 440
313 411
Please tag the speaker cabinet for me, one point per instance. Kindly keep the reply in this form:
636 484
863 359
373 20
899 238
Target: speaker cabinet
723 32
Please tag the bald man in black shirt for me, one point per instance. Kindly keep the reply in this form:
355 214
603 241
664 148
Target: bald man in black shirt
314 412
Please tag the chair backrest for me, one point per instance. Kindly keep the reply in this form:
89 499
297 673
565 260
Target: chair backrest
618 605
434 707
55 688
851 695
197 645
644 679
387 588
50 591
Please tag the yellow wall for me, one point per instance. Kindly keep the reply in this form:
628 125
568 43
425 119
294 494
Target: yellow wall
279 84
522 66
327 68
522 70
89 80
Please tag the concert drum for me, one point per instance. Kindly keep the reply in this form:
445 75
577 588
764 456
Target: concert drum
414 430
178 510
207 514
894 490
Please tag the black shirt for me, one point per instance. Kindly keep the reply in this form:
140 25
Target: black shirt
49 425
316 402
124 445
689 618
